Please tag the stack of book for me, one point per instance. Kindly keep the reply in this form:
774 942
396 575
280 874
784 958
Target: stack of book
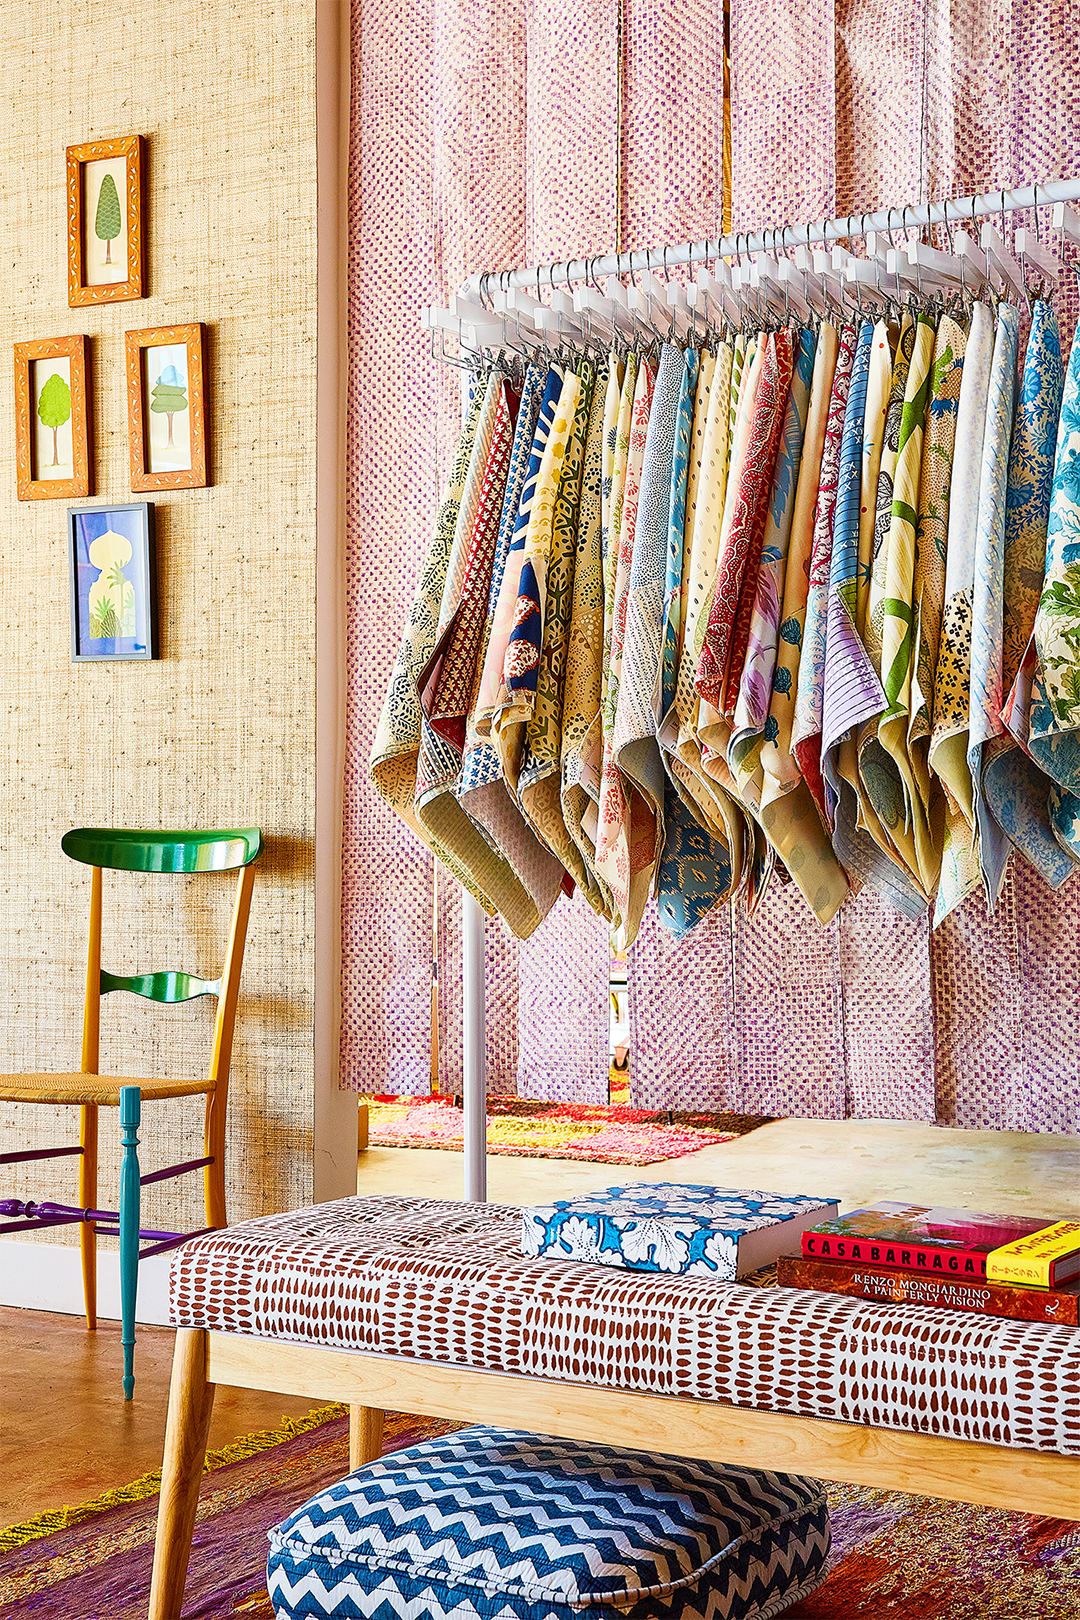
1024 1267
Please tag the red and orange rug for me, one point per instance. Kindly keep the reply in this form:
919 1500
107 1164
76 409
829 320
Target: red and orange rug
894 1557
542 1130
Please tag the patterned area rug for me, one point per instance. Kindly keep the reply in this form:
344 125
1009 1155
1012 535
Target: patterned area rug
894 1557
541 1130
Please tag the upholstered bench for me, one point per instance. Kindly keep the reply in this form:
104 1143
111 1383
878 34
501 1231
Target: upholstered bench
507 1525
430 1307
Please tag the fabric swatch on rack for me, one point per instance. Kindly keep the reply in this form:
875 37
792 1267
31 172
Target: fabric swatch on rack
625 865
396 750
581 751
788 812
1054 727
986 695
947 756
694 870
928 599
540 780
810 691
751 719
1015 786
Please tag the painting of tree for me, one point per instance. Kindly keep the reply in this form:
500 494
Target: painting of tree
54 408
108 220
168 395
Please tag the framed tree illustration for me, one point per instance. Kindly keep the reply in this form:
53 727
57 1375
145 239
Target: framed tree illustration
106 238
166 387
52 420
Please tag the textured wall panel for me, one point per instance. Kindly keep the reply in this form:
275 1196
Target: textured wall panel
221 729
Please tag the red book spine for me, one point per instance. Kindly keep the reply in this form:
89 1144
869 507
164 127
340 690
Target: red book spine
909 1288
927 1259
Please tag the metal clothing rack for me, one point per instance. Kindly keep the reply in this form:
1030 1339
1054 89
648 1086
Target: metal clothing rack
911 216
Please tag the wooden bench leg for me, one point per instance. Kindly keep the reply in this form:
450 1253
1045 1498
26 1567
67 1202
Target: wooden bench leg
365 1435
191 1402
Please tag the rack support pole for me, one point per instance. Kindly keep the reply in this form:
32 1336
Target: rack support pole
474 1049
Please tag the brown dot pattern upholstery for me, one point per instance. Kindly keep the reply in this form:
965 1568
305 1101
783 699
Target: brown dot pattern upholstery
446 1282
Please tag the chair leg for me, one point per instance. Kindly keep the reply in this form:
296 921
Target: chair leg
130 1201
365 1435
214 1174
88 1167
191 1403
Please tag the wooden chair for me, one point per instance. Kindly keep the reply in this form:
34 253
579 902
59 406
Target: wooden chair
115 849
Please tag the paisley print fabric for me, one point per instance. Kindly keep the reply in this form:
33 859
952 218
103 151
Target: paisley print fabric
618 862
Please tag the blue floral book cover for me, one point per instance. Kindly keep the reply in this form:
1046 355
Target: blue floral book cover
666 1226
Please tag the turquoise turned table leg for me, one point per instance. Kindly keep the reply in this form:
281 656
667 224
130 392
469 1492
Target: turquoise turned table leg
130 1108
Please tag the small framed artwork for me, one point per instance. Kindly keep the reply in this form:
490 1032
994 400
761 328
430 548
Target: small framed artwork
166 385
105 221
113 581
52 420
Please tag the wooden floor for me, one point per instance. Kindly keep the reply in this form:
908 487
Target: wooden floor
66 1434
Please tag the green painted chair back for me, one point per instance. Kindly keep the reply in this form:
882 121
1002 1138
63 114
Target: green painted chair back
120 849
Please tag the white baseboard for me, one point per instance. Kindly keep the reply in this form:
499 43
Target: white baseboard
48 1277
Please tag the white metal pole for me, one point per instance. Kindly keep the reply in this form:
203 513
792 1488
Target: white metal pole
956 209
474 1048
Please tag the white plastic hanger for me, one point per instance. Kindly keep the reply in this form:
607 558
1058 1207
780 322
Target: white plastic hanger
1032 251
1002 261
1067 221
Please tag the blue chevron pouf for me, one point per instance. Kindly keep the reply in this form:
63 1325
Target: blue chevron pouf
497 1524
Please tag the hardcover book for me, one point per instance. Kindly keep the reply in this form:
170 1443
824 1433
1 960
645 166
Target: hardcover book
916 1288
1028 1250
665 1226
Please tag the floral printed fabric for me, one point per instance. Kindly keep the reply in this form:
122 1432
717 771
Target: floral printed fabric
1054 731
1017 791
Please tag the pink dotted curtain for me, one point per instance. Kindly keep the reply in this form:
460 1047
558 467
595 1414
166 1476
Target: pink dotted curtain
486 134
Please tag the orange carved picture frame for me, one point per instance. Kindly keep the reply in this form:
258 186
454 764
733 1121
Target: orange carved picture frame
117 213
66 406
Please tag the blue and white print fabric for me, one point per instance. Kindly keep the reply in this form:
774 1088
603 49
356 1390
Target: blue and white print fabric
659 1226
496 1524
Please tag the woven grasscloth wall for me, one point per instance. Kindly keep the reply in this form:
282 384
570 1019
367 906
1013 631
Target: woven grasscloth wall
220 731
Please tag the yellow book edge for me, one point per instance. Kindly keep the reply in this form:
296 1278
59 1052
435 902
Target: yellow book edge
1029 1260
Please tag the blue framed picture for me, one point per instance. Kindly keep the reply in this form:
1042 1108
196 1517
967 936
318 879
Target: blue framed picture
113 581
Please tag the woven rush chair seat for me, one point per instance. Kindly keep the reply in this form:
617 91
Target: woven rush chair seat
446 1282
513 1526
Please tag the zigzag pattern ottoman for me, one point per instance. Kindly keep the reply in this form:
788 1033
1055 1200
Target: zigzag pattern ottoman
497 1524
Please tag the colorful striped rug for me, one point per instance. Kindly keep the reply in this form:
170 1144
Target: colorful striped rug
894 1557
543 1130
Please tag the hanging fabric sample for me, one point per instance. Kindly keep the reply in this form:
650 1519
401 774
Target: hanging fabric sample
947 754
929 596
984 711
890 782
788 812
625 852
1016 788
482 791
809 697
1054 729
581 754
540 781
694 871
751 718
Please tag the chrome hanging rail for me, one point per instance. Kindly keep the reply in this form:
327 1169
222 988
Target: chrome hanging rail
914 215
